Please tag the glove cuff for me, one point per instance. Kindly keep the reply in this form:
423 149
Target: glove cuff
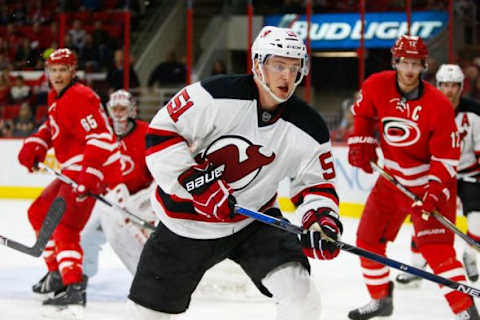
198 178
362 139
36 140
313 216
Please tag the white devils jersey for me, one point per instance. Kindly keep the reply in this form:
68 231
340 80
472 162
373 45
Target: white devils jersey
220 119
468 123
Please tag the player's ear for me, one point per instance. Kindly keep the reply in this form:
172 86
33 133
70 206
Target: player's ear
256 66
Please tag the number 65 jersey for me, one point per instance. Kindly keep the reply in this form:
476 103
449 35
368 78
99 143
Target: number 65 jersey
418 137
220 119
78 130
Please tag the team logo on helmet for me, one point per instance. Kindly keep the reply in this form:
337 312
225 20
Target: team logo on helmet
62 56
242 159
409 47
400 132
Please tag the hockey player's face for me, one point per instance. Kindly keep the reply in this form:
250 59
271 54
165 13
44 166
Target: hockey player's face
408 71
452 90
119 112
280 75
60 76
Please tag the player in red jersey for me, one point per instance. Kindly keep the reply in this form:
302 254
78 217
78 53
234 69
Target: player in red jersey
132 191
421 146
78 131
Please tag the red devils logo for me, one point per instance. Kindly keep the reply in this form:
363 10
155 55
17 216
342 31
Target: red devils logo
243 160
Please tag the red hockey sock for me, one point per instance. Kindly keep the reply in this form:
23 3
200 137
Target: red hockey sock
69 258
442 259
375 275
50 257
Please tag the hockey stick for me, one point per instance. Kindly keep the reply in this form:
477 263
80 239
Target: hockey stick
284 224
53 217
438 216
135 219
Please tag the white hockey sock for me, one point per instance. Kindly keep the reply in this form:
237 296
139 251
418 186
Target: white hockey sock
294 292
138 312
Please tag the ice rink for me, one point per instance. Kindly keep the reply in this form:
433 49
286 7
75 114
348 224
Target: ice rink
339 281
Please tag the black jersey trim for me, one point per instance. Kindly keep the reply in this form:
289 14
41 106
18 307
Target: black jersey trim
306 118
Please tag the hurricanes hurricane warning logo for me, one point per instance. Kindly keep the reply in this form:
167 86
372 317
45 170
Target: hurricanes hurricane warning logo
242 159
400 132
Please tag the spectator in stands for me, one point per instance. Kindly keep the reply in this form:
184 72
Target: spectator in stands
38 14
68 43
89 55
104 43
115 74
40 89
345 128
4 60
14 39
475 92
22 125
4 128
19 91
4 15
471 75
23 54
4 86
168 73
429 75
92 5
78 35
19 13
51 35
219 67
36 34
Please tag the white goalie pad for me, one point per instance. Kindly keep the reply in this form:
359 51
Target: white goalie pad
126 238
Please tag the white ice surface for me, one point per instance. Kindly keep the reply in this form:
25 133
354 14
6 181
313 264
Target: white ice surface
339 281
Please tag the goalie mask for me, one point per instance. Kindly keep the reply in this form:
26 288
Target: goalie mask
450 73
282 42
121 107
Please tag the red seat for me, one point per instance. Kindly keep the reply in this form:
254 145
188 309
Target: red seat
11 111
41 113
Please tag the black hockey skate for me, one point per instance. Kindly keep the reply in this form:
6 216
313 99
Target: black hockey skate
375 308
408 280
72 294
50 283
470 263
469 314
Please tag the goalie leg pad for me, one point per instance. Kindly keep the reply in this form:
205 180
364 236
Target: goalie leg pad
294 292
125 238
442 259
136 311
92 240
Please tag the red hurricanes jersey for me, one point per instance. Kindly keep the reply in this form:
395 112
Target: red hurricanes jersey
418 138
135 173
78 130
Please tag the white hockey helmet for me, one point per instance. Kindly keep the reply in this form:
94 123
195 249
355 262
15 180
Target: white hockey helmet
450 73
281 42
123 98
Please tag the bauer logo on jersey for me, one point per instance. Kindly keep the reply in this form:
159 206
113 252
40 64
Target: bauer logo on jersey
243 160
400 132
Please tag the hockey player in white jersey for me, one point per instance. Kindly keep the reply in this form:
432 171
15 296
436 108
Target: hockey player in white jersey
131 190
449 78
232 139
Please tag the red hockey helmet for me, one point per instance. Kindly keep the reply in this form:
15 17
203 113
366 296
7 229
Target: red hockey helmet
409 47
62 56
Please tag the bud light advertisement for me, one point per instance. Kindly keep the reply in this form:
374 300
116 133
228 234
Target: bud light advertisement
342 30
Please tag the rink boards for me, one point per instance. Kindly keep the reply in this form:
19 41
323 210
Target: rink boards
353 185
